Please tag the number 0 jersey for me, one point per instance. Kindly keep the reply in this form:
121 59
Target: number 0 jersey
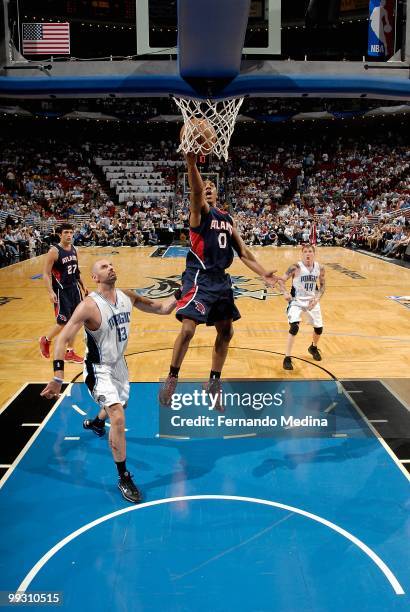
211 242
65 270
304 285
107 344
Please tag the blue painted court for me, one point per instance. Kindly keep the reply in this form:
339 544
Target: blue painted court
178 251
287 523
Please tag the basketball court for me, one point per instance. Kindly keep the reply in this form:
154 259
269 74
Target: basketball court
305 520
297 502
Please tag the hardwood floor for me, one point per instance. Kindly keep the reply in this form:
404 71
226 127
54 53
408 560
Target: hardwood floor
366 334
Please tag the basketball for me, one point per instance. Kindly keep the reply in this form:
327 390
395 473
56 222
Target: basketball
201 134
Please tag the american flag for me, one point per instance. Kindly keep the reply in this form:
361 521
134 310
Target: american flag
46 38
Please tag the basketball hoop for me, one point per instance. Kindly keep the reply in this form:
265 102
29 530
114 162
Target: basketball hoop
219 117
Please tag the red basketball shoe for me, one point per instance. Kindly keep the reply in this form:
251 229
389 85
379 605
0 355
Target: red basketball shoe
72 357
45 347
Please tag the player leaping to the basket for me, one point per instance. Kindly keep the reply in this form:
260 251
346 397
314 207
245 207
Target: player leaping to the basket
207 295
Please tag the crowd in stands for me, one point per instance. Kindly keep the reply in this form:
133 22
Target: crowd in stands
346 192
144 109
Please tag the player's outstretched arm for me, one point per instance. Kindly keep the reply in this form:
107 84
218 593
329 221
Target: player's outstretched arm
80 315
164 307
196 185
249 259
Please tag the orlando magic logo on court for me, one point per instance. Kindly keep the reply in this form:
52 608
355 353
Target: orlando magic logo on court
242 287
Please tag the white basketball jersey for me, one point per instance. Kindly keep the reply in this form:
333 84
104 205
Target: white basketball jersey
305 283
107 344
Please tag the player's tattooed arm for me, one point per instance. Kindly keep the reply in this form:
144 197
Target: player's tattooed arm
290 273
322 283
320 292
163 307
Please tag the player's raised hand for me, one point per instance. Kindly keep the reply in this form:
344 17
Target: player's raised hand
52 390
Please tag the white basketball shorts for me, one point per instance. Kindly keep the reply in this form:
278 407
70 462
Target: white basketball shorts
296 309
107 384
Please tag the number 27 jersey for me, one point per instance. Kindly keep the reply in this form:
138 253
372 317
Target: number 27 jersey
107 344
64 272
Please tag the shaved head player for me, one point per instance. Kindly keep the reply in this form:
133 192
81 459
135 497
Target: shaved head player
105 315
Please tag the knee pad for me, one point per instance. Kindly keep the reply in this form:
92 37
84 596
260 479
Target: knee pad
318 330
294 328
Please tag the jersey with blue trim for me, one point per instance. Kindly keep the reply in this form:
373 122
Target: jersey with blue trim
106 345
211 242
304 285
65 272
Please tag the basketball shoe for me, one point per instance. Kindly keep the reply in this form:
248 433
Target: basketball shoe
214 388
72 357
287 364
128 488
167 390
314 351
45 347
90 424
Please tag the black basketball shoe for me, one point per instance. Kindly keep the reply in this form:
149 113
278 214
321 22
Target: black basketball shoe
90 424
128 489
287 364
314 351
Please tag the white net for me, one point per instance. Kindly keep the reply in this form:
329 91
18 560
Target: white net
208 125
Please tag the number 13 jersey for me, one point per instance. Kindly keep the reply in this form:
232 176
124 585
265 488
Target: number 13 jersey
107 344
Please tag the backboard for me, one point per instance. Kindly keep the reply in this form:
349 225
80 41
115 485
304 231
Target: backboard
263 36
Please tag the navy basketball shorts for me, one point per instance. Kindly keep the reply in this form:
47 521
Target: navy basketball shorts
67 301
207 297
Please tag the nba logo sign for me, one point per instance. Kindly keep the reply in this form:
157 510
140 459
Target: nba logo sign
381 17
200 307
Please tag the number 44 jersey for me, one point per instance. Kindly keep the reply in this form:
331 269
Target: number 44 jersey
107 344
304 285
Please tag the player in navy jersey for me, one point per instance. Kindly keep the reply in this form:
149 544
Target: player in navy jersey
63 281
207 295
